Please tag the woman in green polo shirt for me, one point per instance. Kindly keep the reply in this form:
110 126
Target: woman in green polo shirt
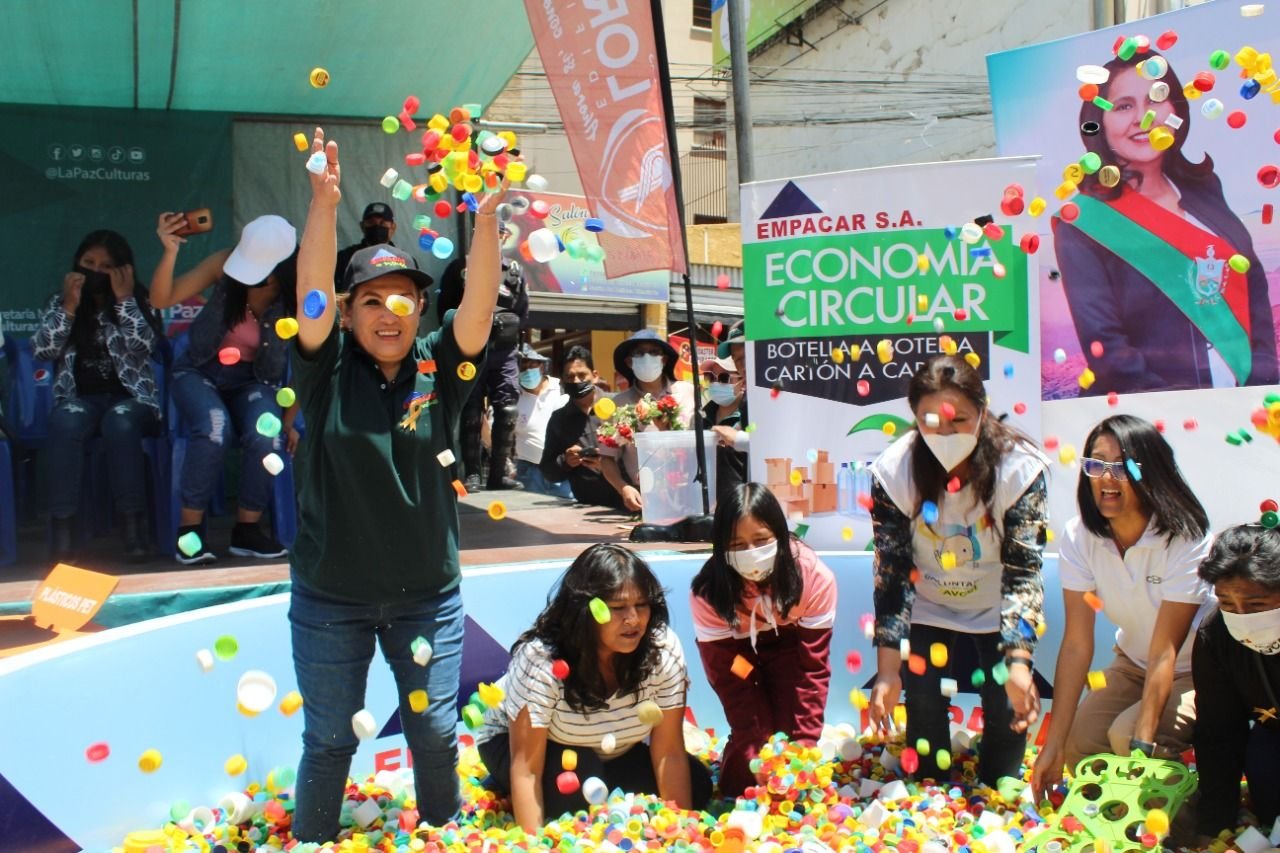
376 558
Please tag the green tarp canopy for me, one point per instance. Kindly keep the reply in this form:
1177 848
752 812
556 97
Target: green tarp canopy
255 56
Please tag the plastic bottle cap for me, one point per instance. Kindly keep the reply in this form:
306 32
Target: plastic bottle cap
150 761
418 701
204 658
442 247
600 611
226 647
421 650
497 510
229 355
268 425
286 327
319 78
314 304
189 543
235 765
400 305
273 463
364 724
291 703
256 691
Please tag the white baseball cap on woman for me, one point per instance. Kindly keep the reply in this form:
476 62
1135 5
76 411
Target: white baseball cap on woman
264 242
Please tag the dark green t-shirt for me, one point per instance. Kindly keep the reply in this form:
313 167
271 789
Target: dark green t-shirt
378 517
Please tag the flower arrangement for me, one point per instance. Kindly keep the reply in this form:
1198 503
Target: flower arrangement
620 429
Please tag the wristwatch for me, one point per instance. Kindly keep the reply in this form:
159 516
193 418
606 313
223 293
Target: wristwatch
1145 747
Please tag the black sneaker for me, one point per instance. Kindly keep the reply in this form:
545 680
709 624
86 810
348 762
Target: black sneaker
472 483
201 554
248 540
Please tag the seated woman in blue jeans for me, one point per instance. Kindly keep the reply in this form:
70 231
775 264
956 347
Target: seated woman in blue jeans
228 378
99 333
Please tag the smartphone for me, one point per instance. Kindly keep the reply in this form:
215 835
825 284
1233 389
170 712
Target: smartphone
199 221
590 453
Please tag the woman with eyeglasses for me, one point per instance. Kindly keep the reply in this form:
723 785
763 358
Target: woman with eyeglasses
1132 553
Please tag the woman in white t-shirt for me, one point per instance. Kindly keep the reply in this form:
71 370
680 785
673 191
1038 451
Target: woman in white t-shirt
593 705
959 512
1133 552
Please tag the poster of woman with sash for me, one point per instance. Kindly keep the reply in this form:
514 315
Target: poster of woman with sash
1161 278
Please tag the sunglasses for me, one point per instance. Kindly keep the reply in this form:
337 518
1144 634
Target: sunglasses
1095 468
726 378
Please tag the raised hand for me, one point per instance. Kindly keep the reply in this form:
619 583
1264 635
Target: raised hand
72 283
167 228
325 187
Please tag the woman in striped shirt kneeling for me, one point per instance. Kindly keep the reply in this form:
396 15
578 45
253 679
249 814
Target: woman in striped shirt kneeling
594 697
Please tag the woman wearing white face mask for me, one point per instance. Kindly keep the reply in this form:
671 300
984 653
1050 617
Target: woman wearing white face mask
959 510
648 364
726 415
763 608
1236 668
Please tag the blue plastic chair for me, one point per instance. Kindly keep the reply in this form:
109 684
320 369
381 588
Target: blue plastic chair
8 508
31 401
283 508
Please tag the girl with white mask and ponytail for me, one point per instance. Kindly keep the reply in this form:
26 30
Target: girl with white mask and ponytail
1236 669
763 609
960 513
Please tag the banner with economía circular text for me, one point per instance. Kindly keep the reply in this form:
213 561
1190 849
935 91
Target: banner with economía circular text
853 280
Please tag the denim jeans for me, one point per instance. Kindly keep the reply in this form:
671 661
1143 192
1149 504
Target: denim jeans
1000 751
122 422
216 401
332 648
531 475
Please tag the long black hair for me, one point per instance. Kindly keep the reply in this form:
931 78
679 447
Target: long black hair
85 323
567 628
995 437
718 583
1247 551
1162 491
1175 164
237 302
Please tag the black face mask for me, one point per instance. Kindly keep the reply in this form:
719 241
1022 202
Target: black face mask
96 284
578 390
376 234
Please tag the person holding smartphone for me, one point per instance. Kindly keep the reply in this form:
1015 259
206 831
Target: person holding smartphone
570 452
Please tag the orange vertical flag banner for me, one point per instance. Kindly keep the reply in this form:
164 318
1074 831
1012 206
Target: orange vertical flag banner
601 60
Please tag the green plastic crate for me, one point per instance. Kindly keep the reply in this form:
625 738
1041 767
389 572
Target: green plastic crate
1111 796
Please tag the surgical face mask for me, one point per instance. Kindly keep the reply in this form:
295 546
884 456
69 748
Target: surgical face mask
722 393
1257 631
754 564
578 390
647 368
530 379
375 234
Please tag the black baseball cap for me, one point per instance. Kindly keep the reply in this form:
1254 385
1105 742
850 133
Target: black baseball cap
377 208
376 261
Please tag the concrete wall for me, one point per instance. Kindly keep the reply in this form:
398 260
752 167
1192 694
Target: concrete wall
880 82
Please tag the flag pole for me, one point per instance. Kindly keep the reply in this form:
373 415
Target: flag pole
669 118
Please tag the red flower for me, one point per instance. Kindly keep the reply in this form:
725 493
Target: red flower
624 431
667 403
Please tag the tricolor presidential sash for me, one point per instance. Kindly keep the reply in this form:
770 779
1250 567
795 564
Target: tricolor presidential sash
1187 263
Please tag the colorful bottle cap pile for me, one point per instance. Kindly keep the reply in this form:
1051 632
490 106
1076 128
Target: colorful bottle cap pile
840 794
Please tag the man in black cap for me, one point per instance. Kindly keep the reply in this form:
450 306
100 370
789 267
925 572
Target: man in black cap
378 226
498 386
